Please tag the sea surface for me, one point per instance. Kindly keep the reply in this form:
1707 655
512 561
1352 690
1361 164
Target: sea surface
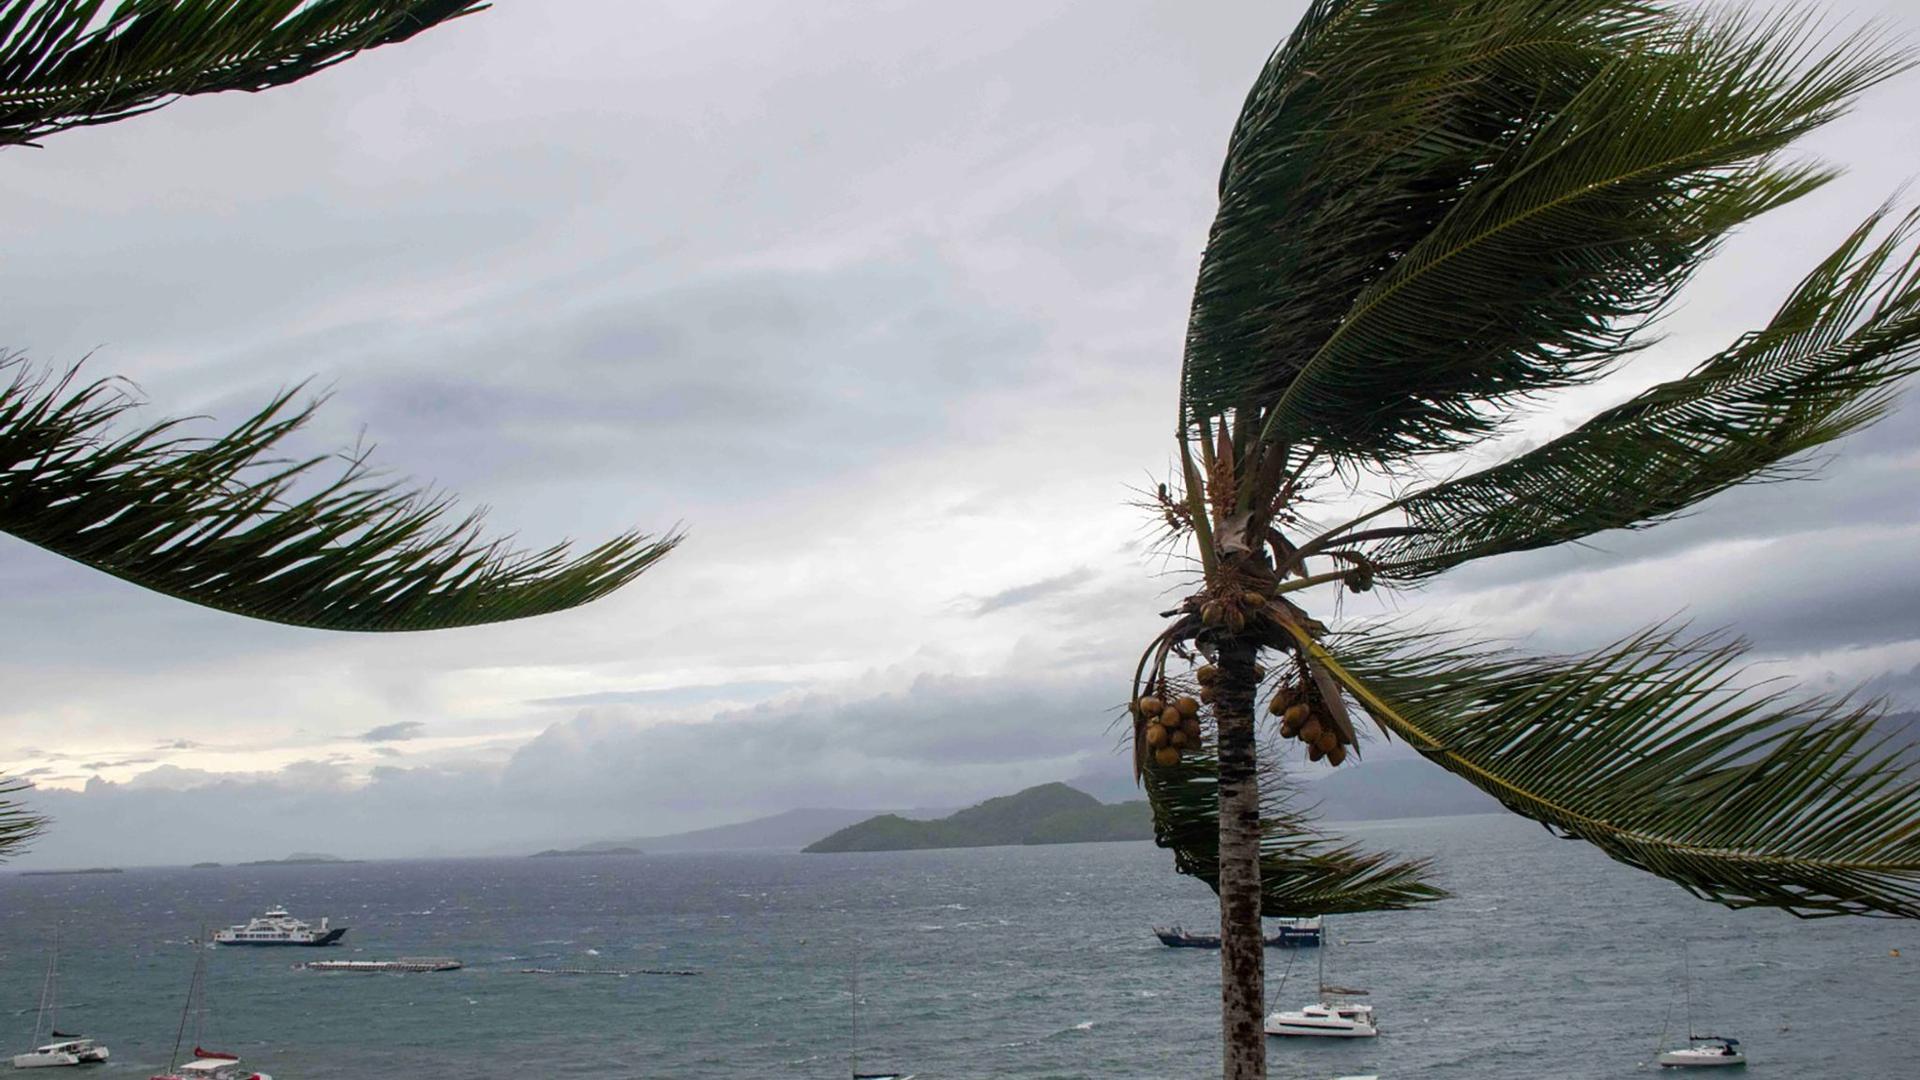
1550 961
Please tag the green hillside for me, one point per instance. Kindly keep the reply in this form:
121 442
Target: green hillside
1048 814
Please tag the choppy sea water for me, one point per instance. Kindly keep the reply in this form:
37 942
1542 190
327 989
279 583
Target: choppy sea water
1551 961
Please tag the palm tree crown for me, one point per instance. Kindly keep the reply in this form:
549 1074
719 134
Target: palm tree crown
1433 212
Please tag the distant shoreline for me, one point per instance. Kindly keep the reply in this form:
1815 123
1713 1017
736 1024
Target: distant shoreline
58 873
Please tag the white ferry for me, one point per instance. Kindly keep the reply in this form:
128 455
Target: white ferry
277 927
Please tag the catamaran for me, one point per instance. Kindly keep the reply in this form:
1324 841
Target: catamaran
1332 1017
65 1049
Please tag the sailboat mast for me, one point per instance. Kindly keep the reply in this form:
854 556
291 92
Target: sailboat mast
186 1009
1686 960
53 987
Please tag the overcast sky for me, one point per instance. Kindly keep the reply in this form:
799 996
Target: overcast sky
884 300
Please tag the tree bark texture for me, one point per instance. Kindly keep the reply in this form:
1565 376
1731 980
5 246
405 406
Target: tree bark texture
1242 947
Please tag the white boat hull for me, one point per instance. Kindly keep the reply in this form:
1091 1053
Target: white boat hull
1701 1058
1292 1025
44 1061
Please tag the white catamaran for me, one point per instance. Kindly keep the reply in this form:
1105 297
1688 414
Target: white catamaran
64 1049
1332 1017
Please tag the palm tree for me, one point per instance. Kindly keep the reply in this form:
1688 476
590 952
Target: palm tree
1433 212
226 521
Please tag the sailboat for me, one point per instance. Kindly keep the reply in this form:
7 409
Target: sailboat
64 1049
203 1064
1704 1051
1332 1017
853 1047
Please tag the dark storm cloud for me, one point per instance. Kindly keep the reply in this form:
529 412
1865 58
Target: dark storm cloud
1036 590
398 732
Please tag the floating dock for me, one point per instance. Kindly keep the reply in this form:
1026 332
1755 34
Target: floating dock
405 963
604 971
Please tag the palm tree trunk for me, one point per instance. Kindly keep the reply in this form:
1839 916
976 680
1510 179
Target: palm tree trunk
1242 949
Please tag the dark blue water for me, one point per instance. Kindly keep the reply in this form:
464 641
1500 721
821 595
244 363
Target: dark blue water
1550 962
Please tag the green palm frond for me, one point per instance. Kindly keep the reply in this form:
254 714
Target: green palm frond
1824 367
1301 871
17 824
217 521
69 63
1434 206
1655 751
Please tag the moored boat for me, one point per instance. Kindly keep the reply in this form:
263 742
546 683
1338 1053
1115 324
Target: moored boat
1291 933
64 1049
1707 1052
277 927
1326 1019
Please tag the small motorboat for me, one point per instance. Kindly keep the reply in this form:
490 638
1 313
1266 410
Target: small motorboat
1707 1052
1292 933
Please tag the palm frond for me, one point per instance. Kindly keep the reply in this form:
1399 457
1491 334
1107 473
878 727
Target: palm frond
216 521
1431 207
18 825
1301 871
1825 366
1654 751
68 63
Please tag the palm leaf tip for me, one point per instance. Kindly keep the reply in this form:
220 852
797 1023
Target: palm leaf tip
18 825
1302 872
66 63
223 522
1657 751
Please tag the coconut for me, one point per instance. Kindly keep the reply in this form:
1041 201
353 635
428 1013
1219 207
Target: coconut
1314 753
1310 729
1166 757
1236 620
1187 706
1207 696
1156 735
1278 706
1151 706
1328 741
1192 728
1253 600
1170 716
1298 713
1336 755
1206 674
1212 612
1178 739
1288 729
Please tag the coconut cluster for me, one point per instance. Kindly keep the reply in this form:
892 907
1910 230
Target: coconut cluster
1172 727
1304 717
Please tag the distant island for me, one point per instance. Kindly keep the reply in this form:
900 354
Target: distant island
568 853
1048 814
300 858
204 866
57 873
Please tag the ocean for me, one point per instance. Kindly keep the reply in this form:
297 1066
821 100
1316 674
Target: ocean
1550 961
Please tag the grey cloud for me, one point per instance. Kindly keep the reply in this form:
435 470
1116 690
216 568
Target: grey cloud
679 695
397 732
1036 590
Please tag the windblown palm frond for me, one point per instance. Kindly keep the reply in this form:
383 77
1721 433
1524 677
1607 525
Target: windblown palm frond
217 521
1301 871
1432 206
1824 367
1653 751
68 63
17 824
